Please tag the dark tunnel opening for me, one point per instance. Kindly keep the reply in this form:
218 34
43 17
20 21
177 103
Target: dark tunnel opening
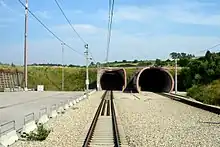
155 80
112 80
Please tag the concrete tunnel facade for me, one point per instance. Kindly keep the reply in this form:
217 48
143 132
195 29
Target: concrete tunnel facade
113 79
153 79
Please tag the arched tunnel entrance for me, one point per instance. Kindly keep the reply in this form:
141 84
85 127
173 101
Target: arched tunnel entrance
155 80
113 79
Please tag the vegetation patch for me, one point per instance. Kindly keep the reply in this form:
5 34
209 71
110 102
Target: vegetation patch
209 94
40 135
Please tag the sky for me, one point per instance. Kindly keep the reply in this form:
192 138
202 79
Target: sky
141 29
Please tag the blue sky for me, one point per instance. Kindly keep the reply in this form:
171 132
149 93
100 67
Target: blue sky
142 29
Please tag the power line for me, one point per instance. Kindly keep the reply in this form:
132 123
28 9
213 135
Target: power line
49 29
209 48
111 12
213 46
70 22
72 26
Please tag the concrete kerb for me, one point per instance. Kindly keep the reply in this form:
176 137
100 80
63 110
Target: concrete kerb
8 136
66 106
53 111
74 102
43 117
29 124
70 104
84 96
60 109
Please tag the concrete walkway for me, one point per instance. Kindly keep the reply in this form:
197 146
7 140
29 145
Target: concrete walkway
15 105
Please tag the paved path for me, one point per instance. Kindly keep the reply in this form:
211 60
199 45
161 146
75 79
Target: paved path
15 105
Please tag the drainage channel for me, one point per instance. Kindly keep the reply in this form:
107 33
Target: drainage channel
104 129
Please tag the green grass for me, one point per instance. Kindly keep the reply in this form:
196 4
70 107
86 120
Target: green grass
130 72
51 78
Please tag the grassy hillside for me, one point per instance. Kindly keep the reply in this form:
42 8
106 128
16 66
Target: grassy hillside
51 77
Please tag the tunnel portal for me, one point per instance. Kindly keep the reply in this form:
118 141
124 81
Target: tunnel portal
155 80
113 80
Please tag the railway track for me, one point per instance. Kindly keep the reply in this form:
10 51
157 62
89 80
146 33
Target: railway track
104 130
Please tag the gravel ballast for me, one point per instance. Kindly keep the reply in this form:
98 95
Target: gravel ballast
66 129
154 120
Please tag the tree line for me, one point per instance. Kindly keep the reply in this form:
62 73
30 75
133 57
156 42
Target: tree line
201 78
200 71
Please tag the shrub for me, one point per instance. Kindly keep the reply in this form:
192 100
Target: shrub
40 135
209 94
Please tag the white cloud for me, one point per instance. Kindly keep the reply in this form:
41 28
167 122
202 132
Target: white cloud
84 29
78 11
139 46
188 13
6 20
2 3
123 46
134 13
8 8
43 14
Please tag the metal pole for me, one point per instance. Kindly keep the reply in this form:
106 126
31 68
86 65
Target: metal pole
175 76
62 66
87 69
25 48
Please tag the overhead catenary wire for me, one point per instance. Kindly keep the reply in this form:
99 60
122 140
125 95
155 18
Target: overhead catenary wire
58 38
70 22
214 46
72 27
111 12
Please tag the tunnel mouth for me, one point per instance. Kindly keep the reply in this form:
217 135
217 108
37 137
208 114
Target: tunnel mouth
113 80
155 80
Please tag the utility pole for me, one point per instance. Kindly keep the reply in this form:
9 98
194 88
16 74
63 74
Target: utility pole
62 44
87 69
25 48
175 76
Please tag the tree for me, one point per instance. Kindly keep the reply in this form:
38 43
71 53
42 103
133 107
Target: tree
174 55
158 62
92 64
135 61
183 62
183 55
208 56
124 61
12 64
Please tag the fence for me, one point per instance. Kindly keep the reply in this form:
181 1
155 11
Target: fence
10 80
